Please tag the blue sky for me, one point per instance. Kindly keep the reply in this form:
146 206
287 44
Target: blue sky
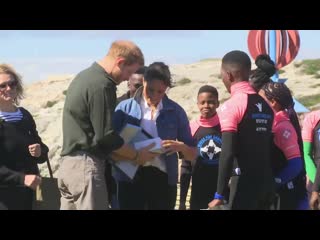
37 54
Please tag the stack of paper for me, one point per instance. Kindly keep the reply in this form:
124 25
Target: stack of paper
136 136
126 167
156 149
129 132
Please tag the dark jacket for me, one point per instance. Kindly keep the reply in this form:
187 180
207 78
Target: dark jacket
16 161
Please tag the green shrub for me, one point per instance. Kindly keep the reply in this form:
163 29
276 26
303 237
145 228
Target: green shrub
297 64
209 59
216 75
309 101
183 81
315 85
50 104
311 66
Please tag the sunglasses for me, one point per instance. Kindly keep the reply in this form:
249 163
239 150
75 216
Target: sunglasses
11 84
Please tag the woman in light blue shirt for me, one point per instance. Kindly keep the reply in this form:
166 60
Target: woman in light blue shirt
155 184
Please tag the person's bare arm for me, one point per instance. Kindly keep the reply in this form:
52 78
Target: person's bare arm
172 146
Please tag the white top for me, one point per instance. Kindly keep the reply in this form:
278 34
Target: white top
150 126
11 116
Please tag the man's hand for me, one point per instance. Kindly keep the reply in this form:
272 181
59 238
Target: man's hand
35 150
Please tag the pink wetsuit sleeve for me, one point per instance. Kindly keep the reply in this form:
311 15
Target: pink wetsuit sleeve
309 124
232 112
285 138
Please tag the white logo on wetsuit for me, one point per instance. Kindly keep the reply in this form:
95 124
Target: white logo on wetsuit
286 134
210 148
259 106
223 107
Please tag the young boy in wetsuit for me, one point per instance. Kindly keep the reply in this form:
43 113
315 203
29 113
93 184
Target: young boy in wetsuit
204 170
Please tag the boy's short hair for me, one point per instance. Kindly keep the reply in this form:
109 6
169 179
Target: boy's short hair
209 89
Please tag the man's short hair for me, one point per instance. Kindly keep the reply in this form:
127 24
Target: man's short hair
237 60
128 50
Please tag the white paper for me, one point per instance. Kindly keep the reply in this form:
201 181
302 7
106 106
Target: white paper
127 167
156 149
129 132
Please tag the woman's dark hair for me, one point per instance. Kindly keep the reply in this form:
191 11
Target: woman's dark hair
158 71
261 75
282 94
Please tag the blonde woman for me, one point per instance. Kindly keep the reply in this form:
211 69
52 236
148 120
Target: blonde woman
21 148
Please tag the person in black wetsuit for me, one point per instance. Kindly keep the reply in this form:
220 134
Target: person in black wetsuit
246 121
204 170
